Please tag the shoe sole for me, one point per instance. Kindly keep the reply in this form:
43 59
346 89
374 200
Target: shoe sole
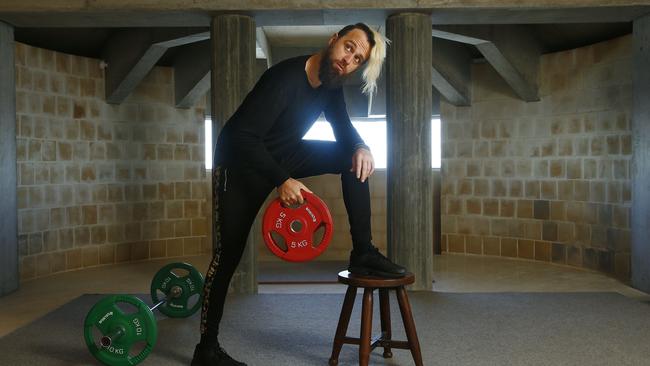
362 271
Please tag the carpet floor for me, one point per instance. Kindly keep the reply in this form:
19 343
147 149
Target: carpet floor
453 328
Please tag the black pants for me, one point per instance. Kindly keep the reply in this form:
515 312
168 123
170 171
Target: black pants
238 194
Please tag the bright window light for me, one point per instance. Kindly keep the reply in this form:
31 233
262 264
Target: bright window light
208 143
372 132
436 144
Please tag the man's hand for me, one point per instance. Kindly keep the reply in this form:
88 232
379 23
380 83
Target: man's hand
363 164
289 192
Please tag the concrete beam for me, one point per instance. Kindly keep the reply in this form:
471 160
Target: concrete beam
37 13
263 42
131 54
9 278
511 49
451 71
192 73
640 216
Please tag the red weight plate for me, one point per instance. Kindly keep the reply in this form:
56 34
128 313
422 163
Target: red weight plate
297 227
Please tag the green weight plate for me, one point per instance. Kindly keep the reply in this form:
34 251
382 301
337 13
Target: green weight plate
190 284
137 327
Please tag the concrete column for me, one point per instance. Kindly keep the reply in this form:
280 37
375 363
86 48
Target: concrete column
410 177
8 209
233 76
640 219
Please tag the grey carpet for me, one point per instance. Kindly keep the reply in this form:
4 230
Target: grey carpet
454 329
307 272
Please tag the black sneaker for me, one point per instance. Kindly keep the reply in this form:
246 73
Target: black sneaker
213 356
373 263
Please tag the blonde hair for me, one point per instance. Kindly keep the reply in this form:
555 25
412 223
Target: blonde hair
374 64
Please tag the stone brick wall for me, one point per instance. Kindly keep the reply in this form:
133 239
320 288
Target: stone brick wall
549 180
100 184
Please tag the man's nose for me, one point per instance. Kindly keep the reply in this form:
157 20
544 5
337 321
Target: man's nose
347 58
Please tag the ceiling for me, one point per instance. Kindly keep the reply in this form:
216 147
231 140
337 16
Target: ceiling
90 42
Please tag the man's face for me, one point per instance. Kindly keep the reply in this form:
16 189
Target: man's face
343 56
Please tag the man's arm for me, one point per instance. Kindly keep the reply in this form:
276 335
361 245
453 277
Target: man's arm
253 119
336 113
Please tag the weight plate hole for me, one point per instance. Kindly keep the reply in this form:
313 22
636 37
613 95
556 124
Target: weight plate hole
192 300
180 272
318 236
296 226
279 241
137 348
161 295
127 308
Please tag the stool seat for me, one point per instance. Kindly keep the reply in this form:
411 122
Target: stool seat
366 342
350 279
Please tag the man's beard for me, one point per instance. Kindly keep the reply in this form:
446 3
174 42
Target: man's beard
327 74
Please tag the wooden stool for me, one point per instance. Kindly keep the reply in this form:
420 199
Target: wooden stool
366 344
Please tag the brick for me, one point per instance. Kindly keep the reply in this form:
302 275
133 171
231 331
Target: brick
507 208
622 265
491 207
499 188
491 246
474 244
565 232
508 247
542 251
558 253
123 252
581 190
174 247
533 230
525 249
525 209
590 258
464 187
532 189
491 168
90 256
73 259
517 228
548 190
541 209
516 188
454 206
456 243
106 254
158 248
574 169
191 246
481 187
557 168
549 231
140 250
558 210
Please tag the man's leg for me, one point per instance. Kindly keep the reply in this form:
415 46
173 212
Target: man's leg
323 157
238 195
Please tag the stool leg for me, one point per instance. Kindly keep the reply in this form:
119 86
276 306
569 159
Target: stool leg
409 325
384 308
344 320
366 328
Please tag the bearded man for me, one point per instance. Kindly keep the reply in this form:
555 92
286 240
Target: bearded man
261 148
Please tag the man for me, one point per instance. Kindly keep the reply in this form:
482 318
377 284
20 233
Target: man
261 148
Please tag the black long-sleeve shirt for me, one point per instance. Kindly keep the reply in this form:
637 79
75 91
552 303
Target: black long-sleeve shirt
274 117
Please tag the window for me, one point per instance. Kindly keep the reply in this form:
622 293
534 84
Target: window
372 130
208 143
